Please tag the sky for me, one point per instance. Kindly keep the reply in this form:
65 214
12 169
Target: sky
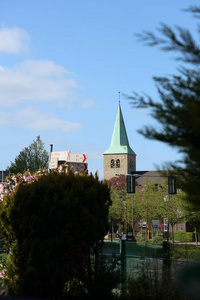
63 64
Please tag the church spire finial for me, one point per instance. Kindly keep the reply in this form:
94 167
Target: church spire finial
119 97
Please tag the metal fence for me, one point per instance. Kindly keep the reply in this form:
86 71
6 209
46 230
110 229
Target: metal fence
134 256
137 258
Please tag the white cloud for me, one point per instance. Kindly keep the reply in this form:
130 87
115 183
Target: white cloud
4 118
43 68
13 40
36 81
33 119
88 103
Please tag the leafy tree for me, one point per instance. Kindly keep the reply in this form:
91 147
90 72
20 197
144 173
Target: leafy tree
190 213
117 208
124 206
33 158
149 204
51 224
172 210
154 203
118 192
117 182
132 207
179 107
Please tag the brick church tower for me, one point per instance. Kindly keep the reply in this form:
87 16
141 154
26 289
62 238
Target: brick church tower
119 158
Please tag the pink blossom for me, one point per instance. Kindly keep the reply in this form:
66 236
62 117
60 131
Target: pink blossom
13 181
14 178
60 169
3 274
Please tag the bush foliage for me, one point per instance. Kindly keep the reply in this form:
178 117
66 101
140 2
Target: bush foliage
51 225
184 236
158 240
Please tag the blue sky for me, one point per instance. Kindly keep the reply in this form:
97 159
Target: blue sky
62 63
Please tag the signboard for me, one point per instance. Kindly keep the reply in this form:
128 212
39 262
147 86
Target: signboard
53 163
78 158
3 175
67 156
77 167
130 184
155 222
172 185
61 155
142 224
165 225
156 227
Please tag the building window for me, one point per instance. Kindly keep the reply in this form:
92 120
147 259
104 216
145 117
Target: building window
131 164
118 163
112 163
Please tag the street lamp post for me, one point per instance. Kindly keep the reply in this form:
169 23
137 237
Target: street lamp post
171 190
132 218
167 199
130 190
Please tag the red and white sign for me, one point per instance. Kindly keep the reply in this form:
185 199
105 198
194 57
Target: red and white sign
77 167
61 155
53 163
78 158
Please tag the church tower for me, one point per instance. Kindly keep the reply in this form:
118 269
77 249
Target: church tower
119 158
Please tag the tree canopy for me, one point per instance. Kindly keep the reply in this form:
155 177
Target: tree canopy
32 158
179 107
122 203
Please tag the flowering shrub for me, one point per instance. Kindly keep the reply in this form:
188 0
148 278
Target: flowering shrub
3 271
14 180
3 274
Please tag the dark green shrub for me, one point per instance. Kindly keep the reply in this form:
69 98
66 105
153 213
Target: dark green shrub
140 240
185 251
158 240
51 225
105 278
153 287
3 259
184 236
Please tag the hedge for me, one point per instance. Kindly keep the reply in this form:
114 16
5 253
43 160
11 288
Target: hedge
184 236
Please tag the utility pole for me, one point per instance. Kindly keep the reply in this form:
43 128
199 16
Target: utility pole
130 190
50 150
132 218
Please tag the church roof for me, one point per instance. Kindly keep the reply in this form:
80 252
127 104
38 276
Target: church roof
119 142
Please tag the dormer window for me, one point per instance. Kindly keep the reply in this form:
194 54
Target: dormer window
118 163
112 163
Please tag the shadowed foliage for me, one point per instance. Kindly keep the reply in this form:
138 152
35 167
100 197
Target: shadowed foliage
51 225
179 107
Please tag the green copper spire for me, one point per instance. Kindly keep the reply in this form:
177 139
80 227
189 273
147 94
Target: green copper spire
119 142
